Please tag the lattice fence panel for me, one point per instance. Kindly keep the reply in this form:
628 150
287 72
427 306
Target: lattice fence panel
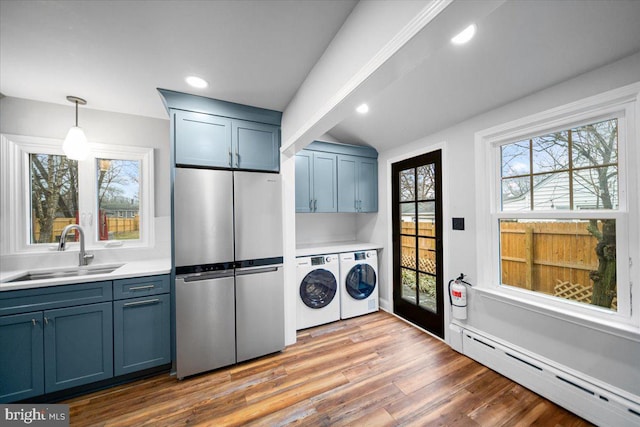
426 264
578 292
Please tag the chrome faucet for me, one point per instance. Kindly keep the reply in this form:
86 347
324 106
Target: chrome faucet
84 258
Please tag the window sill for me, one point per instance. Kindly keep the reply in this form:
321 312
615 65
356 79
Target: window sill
612 327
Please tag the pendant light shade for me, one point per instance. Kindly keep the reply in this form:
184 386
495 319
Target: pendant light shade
75 144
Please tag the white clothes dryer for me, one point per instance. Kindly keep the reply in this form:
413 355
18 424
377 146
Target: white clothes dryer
358 283
318 299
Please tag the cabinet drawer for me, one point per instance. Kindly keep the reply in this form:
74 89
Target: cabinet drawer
25 300
140 287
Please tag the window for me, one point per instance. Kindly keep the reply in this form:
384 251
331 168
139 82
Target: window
561 210
43 191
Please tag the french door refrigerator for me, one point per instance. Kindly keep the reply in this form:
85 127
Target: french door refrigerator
228 257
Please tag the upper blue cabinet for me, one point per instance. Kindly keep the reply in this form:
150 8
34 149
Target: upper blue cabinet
357 184
255 146
334 177
218 134
202 140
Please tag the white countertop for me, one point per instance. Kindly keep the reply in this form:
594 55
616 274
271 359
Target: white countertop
334 248
130 269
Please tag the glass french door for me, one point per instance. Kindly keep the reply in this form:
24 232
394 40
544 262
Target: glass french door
418 293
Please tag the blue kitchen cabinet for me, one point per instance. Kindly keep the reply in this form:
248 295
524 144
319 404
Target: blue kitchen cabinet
256 146
78 345
141 325
357 184
21 356
202 140
58 337
219 142
316 182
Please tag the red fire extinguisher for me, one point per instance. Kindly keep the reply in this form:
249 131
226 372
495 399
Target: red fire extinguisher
458 297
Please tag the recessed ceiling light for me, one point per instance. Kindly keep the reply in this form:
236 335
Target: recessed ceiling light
197 82
466 35
363 109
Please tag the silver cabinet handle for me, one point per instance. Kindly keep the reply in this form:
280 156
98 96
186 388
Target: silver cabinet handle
139 288
230 159
310 205
149 301
46 321
34 321
360 205
315 205
237 159
355 204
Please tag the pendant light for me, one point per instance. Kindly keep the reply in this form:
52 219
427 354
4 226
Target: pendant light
75 144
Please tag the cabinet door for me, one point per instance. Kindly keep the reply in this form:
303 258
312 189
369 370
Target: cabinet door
256 146
367 184
78 345
21 357
202 140
141 333
347 192
325 182
304 184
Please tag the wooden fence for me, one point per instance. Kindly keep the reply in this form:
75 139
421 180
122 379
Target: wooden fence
535 255
426 247
538 255
115 225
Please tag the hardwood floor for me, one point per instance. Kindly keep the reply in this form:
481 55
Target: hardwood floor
373 370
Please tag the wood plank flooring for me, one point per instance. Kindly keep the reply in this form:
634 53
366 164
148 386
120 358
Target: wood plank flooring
373 370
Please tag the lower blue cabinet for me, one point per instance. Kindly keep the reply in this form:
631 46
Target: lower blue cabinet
52 340
78 345
142 331
21 356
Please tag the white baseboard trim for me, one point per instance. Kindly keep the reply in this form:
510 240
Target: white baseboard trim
589 398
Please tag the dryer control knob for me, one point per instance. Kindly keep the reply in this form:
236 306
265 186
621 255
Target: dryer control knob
328 259
368 254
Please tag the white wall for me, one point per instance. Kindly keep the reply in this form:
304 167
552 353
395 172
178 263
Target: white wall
607 357
318 228
33 118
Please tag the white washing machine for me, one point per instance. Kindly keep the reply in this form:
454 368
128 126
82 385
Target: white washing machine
318 293
358 283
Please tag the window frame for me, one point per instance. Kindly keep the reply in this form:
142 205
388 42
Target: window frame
15 221
620 103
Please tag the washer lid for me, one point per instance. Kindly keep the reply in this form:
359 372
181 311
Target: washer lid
361 281
318 288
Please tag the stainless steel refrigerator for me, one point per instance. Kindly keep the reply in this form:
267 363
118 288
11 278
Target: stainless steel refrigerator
228 257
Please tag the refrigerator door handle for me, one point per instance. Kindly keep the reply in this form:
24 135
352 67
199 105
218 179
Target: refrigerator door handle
205 276
257 270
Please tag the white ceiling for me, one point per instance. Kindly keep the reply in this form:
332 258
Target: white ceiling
520 48
116 53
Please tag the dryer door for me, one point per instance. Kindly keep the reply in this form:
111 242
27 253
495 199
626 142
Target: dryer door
361 281
318 288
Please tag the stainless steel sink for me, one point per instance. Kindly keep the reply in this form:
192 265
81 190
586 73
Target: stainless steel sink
66 272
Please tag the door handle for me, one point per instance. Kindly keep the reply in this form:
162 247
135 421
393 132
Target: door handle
150 301
139 288
310 205
34 322
230 159
315 205
237 159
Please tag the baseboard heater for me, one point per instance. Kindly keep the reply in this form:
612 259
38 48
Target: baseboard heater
592 402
